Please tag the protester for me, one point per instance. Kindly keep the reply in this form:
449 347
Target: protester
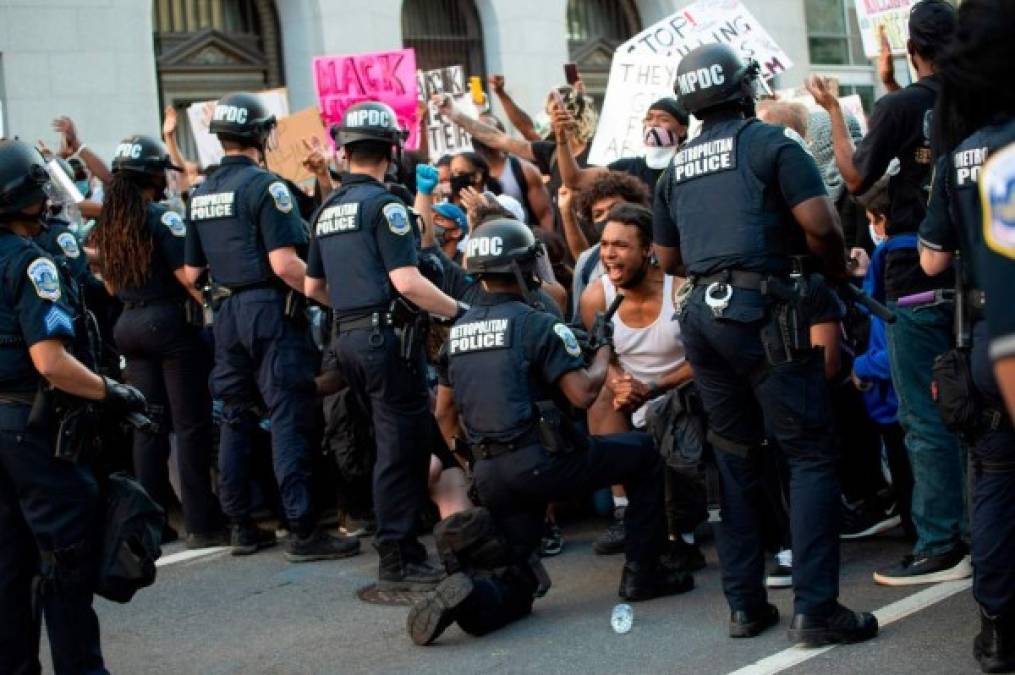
518 178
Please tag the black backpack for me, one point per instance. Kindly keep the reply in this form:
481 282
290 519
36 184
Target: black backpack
131 539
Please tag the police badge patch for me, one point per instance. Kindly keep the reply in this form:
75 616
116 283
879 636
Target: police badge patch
997 194
397 217
568 338
43 275
172 220
68 244
280 193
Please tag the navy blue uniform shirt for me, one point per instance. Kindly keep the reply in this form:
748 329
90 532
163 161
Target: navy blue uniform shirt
168 232
236 217
997 194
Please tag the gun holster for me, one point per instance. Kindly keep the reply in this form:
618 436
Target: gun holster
556 432
786 337
73 419
410 325
193 313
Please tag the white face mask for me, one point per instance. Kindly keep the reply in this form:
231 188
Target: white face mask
878 239
659 158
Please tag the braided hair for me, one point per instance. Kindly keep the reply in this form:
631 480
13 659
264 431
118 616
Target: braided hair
122 237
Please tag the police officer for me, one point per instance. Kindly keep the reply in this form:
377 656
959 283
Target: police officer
362 258
245 230
48 505
512 371
978 120
141 247
727 213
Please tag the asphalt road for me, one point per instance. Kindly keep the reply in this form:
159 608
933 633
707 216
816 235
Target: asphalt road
216 614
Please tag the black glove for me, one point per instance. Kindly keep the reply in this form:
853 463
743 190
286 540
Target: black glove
601 334
123 397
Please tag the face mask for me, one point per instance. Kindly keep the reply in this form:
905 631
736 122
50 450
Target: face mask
599 226
660 137
460 182
878 239
439 234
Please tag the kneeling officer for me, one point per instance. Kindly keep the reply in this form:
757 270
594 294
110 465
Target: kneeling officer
49 505
513 370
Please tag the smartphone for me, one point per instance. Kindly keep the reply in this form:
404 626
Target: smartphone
571 73
476 88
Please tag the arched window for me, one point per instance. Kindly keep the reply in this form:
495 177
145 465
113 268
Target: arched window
595 28
444 33
207 48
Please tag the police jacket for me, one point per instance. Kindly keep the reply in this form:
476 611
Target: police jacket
235 218
502 357
33 308
168 233
954 220
56 239
359 234
725 200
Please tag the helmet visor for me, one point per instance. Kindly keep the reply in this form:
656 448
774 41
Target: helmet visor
58 186
271 141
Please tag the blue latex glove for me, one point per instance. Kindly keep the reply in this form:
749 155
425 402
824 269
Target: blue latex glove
426 178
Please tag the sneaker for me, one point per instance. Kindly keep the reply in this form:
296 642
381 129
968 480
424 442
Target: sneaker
248 539
429 617
926 569
196 540
611 541
319 545
867 520
780 570
404 566
358 526
552 543
842 626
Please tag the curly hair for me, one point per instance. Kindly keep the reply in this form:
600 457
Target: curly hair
121 237
581 107
613 184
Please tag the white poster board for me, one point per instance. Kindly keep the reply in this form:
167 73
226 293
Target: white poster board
871 15
209 150
851 105
645 67
443 137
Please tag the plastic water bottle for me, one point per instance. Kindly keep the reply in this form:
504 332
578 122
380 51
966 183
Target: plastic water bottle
622 619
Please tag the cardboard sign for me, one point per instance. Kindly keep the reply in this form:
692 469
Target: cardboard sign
388 77
871 15
443 137
645 67
710 22
287 158
209 150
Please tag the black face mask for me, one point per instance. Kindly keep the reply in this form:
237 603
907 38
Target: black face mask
459 183
599 226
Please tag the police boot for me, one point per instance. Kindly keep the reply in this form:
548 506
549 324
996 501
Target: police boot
430 616
842 625
247 538
403 566
994 647
319 545
643 582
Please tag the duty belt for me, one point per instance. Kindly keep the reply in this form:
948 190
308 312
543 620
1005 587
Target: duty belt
492 449
368 322
138 304
719 287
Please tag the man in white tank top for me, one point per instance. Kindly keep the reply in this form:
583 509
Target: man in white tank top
646 335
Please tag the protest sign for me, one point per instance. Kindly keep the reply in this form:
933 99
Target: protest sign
389 77
443 137
645 66
209 150
710 22
287 158
893 15
851 105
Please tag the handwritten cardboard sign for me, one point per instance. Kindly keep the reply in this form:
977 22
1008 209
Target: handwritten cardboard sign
388 77
443 137
209 150
286 159
893 15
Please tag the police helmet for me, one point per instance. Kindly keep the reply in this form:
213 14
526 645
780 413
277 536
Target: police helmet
368 121
712 75
500 246
23 176
242 118
142 154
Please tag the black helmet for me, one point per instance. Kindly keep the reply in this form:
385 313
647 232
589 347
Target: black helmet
241 117
368 121
23 176
497 246
142 154
714 74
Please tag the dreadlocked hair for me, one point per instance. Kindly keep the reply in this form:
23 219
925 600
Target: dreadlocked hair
121 237
975 69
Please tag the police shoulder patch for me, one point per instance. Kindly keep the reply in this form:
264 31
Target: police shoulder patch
997 196
280 193
568 338
43 275
174 222
397 217
68 243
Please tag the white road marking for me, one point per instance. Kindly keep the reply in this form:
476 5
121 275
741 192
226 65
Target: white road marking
184 556
888 614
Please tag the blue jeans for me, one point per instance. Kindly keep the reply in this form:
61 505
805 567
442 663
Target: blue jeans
914 340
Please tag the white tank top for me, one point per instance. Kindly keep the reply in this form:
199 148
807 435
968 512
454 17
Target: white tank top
647 353
509 185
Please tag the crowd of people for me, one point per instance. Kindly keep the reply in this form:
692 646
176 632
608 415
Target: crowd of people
768 313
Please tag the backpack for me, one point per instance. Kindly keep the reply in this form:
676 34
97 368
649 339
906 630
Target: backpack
678 426
131 539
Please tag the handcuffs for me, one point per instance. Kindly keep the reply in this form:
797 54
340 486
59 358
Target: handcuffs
717 297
